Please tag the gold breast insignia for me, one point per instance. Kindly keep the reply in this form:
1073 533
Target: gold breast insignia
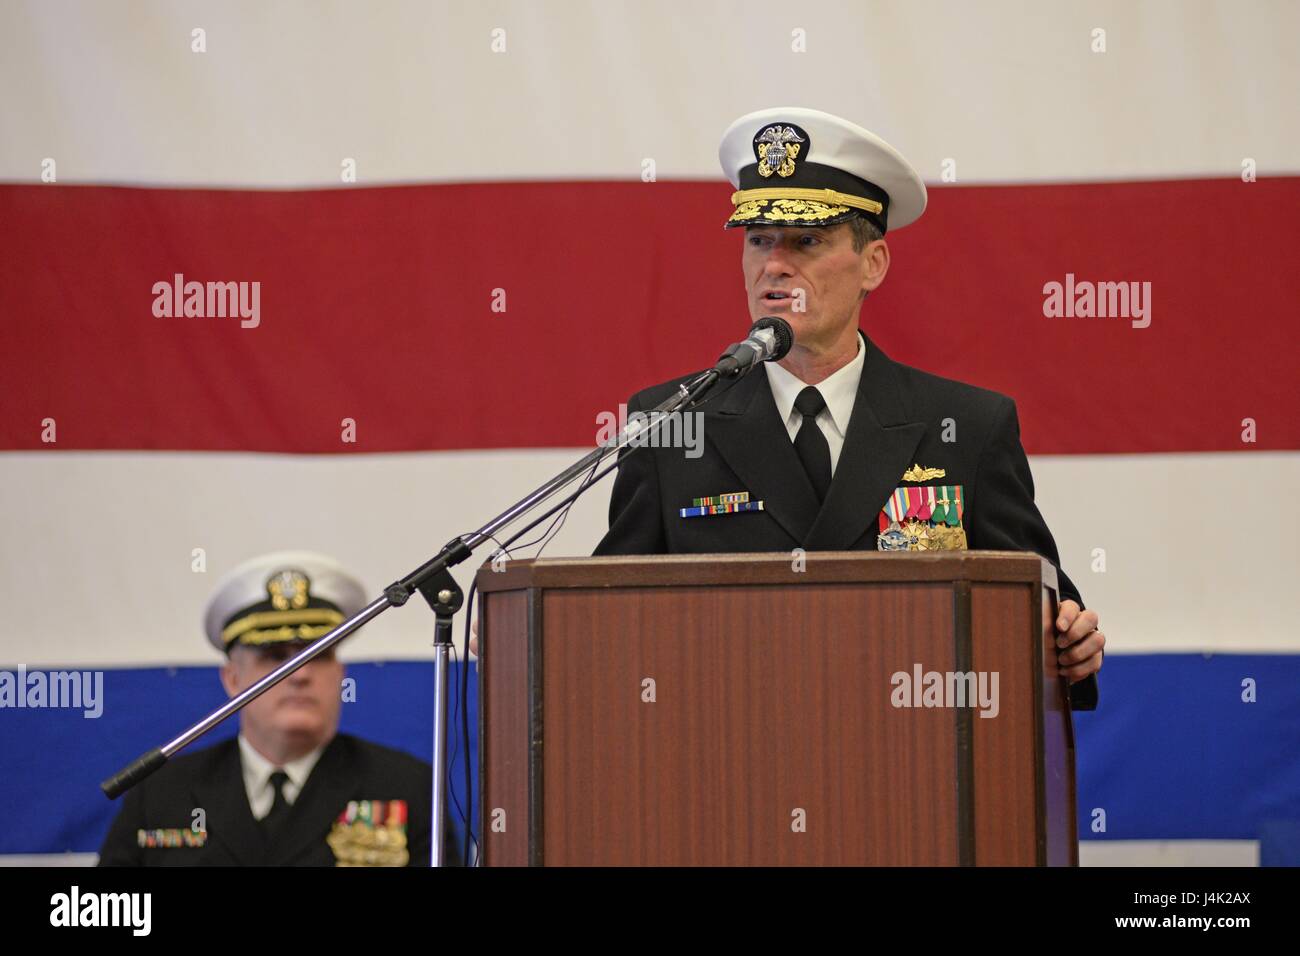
917 473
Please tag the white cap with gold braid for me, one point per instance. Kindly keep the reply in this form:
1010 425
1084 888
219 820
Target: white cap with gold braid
799 167
285 596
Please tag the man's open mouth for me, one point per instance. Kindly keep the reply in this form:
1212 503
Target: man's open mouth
776 295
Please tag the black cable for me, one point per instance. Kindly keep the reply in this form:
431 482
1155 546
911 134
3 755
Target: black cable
558 522
591 479
467 815
463 690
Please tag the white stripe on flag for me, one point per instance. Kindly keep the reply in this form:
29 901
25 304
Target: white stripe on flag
96 567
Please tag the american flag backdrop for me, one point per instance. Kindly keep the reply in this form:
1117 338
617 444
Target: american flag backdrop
447 238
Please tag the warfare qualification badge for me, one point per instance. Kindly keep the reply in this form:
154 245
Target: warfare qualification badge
917 473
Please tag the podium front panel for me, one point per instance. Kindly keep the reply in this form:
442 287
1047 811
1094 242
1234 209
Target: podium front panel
678 713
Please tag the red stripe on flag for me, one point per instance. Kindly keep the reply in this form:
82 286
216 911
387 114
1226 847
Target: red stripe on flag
376 306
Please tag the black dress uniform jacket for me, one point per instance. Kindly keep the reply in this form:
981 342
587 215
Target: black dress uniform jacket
898 419
212 779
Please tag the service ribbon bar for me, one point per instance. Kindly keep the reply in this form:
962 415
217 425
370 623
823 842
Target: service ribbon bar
703 511
735 497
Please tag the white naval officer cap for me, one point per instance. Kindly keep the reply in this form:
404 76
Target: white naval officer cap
280 597
799 167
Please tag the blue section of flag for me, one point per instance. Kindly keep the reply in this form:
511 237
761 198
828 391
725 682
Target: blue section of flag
1172 753
53 760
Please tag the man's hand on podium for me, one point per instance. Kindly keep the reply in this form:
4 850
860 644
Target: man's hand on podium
1080 643
473 636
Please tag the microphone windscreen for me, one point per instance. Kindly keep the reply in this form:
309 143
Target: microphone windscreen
781 329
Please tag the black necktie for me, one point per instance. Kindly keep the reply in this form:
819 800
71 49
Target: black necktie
272 822
811 444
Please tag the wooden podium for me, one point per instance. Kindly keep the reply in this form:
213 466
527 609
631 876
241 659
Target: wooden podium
753 709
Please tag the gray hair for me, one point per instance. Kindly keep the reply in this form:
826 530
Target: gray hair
864 231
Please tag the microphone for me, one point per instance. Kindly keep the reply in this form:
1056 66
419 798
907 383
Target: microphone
769 340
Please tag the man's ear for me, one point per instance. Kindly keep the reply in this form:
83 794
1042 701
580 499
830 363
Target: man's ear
230 674
875 265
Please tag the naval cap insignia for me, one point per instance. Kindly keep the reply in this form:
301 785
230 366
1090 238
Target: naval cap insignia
777 147
288 589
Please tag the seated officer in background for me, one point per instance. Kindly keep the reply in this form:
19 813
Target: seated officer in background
290 790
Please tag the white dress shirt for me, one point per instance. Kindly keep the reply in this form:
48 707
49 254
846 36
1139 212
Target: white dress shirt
839 391
257 776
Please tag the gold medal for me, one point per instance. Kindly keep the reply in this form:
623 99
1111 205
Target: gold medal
946 538
917 534
359 838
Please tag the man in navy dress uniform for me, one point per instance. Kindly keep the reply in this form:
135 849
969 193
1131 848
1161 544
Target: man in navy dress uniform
837 446
290 790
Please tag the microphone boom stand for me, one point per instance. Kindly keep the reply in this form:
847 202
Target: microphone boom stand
434 581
